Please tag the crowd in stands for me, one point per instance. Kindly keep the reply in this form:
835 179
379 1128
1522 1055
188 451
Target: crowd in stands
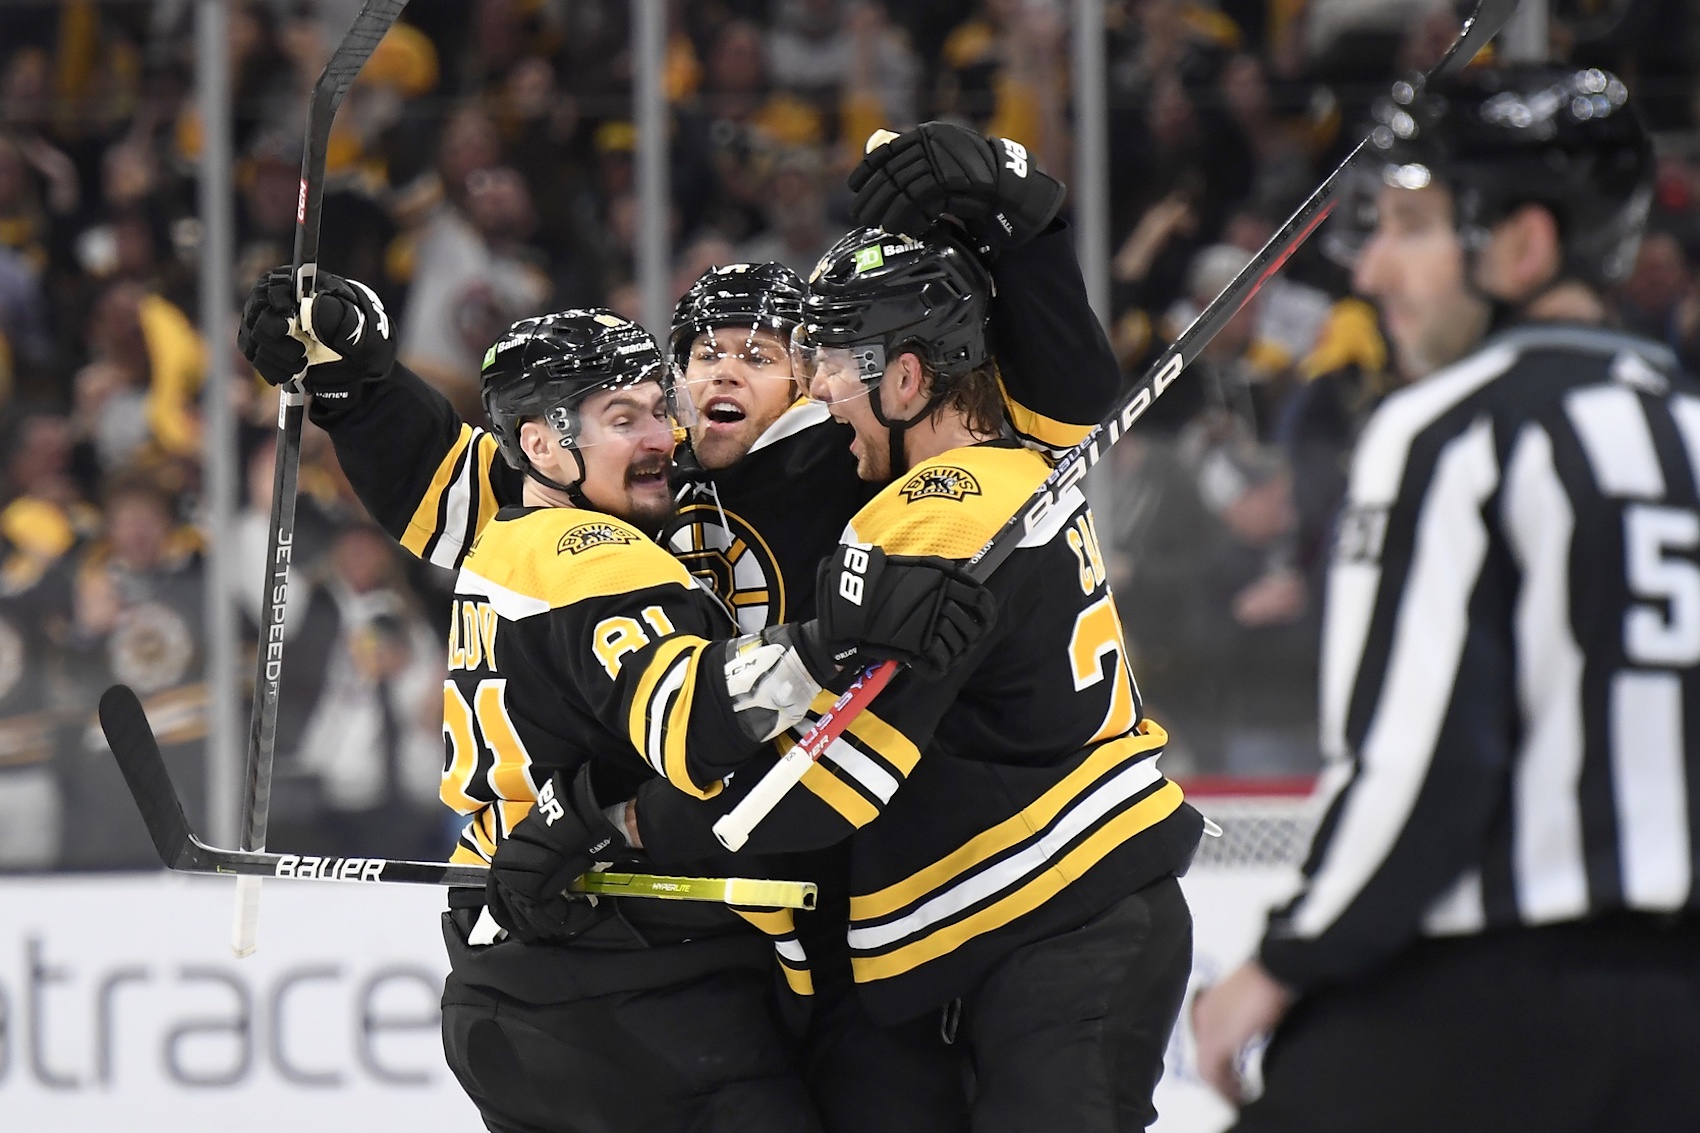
481 170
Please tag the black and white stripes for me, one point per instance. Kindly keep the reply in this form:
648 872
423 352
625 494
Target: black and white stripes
1511 641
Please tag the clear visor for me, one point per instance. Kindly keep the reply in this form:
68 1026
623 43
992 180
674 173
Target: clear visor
653 411
756 356
836 373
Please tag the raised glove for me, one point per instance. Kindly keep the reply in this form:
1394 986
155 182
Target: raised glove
990 185
923 611
562 837
348 318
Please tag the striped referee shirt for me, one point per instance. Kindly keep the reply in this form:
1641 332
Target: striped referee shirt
1509 655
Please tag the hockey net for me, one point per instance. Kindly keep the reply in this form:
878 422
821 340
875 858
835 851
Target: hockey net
1265 822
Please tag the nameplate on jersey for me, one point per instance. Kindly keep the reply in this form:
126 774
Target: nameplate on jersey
588 535
940 482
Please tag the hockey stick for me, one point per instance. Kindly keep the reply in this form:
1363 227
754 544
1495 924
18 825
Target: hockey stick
369 27
131 738
733 829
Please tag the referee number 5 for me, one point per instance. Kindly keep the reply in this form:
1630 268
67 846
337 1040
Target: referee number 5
1659 545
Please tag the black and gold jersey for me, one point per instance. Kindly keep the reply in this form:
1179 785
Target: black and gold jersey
1038 800
575 637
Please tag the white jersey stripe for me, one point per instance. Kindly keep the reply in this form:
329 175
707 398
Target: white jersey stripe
1428 641
451 543
1086 812
1550 871
1650 789
1613 430
659 708
1458 911
875 779
510 604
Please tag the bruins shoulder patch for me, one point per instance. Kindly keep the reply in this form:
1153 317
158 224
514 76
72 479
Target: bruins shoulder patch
940 482
588 535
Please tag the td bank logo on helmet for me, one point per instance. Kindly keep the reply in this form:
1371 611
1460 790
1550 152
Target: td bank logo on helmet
874 255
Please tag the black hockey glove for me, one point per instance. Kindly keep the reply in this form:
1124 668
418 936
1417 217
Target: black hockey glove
989 184
565 833
348 318
925 612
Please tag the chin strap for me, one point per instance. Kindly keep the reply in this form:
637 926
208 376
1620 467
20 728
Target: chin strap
572 490
897 429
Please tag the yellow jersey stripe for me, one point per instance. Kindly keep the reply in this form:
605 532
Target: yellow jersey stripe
1142 815
423 526
1010 832
661 710
950 505
838 795
486 456
1047 432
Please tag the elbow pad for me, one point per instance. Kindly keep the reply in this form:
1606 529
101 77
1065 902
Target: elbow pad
767 682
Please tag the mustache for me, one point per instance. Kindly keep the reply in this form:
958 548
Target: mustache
647 468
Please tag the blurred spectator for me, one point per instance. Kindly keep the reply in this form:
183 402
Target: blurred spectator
797 231
137 620
472 275
1647 300
374 739
742 123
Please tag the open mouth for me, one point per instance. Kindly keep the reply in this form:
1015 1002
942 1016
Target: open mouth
648 477
723 411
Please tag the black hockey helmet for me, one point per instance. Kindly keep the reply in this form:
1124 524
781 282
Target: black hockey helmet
544 367
766 295
930 296
1502 137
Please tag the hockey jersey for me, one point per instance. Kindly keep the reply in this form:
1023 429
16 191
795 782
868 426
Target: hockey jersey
1038 801
576 639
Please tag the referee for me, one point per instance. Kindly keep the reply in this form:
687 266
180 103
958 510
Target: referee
1497 929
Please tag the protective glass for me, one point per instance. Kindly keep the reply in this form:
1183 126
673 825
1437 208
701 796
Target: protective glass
834 374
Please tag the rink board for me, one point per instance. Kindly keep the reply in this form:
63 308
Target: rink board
121 1006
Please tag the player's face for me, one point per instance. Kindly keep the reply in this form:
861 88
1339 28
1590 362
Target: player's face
1413 267
740 381
626 442
837 382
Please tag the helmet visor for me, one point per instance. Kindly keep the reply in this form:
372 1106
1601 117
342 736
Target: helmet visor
836 373
754 355
628 413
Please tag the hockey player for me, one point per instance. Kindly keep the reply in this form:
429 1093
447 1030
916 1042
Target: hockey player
1498 925
1014 848
780 485
583 660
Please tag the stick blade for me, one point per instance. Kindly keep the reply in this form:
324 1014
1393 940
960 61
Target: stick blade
143 767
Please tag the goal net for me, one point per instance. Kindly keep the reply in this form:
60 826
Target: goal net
1265 822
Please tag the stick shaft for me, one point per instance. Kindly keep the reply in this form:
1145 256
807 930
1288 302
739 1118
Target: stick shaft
370 26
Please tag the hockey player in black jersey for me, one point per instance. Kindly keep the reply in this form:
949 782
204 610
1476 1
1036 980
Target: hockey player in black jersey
584 660
1498 926
778 481
1014 847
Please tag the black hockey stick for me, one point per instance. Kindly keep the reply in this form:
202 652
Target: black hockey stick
733 829
369 27
131 738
